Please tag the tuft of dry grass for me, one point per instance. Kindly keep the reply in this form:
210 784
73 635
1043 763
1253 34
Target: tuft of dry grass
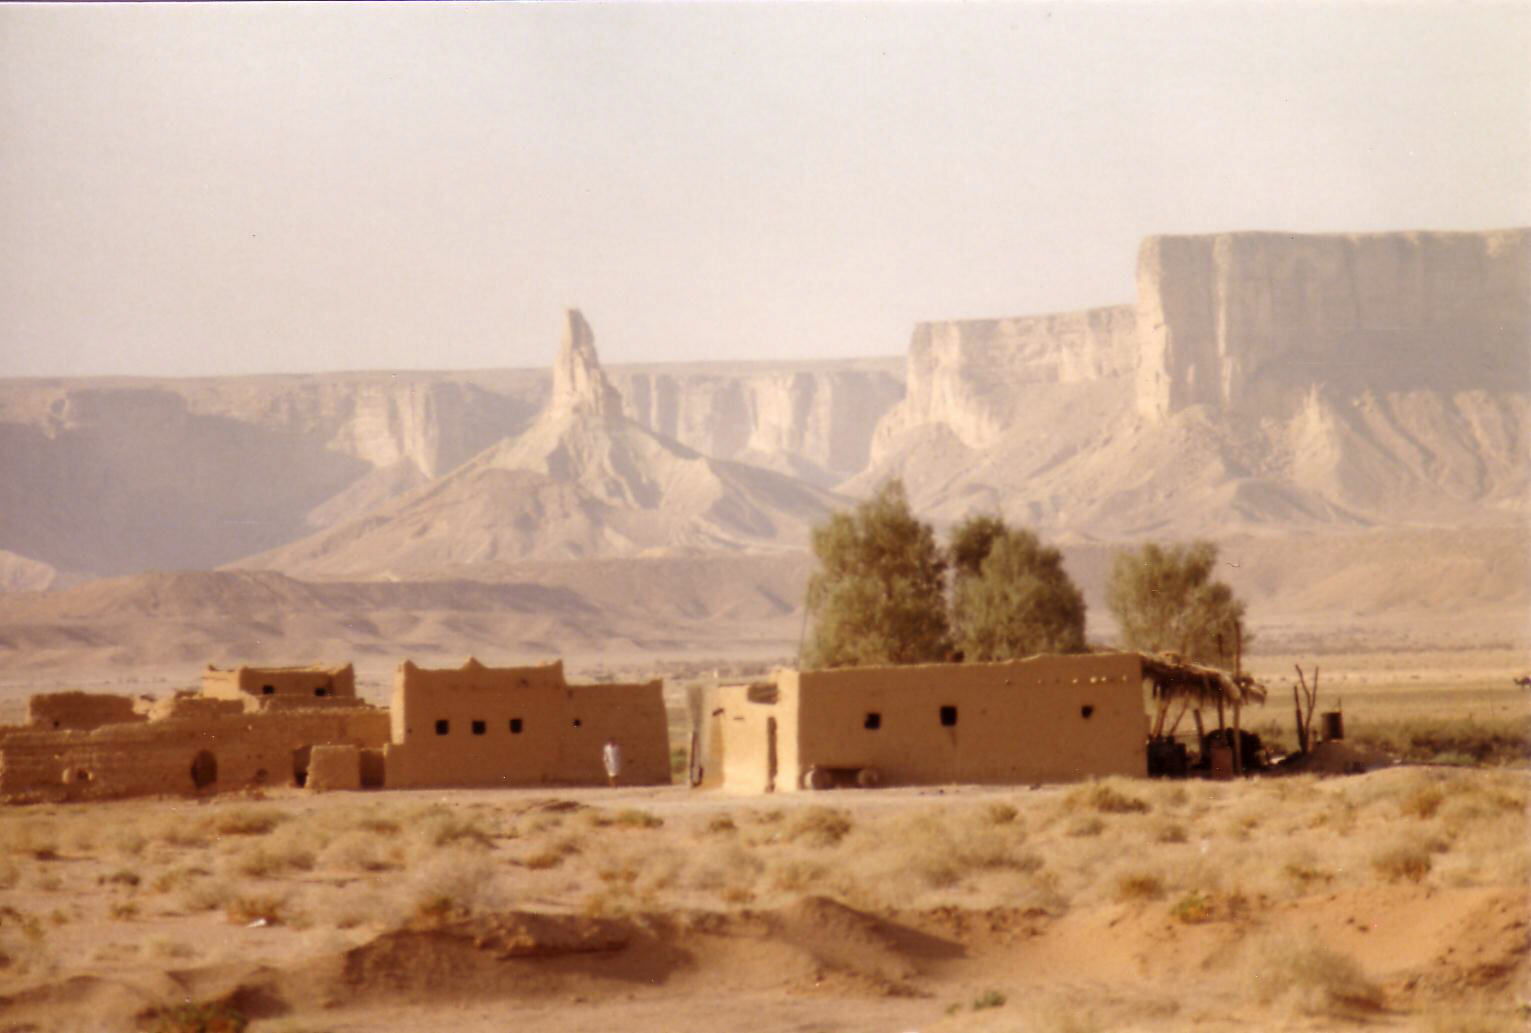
248 821
1106 798
819 826
1402 861
1139 885
245 909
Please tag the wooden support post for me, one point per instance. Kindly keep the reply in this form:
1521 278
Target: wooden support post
1302 733
1184 706
1201 733
1238 743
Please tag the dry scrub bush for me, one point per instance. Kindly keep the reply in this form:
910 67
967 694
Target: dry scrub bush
206 895
1405 860
553 854
247 821
719 824
1087 825
1422 803
631 818
1163 830
358 850
798 875
1139 885
1312 978
270 860
37 839
165 947
731 873
1106 797
818 826
440 827
456 882
268 909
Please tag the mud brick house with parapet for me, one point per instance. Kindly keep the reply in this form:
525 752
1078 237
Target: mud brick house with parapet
503 726
305 726
1042 719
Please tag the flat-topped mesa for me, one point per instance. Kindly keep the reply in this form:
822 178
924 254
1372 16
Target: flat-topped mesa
579 383
1251 319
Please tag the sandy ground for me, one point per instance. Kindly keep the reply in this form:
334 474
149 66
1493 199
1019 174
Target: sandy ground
1393 900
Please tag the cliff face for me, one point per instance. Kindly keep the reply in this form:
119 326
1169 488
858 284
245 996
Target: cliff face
1243 318
967 375
1263 381
816 422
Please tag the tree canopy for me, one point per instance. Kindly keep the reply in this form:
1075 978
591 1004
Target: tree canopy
1164 598
878 596
1011 596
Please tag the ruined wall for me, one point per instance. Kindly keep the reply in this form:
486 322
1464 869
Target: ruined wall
280 683
80 711
485 726
202 746
1045 719
1244 318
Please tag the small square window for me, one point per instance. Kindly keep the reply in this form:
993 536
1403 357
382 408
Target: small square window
321 691
443 726
268 690
948 716
873 721
577 722
1086 710
515 726
479 728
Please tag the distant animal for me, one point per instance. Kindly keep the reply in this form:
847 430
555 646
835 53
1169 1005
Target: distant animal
1524 681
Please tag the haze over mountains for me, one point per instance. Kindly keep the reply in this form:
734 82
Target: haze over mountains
1267 388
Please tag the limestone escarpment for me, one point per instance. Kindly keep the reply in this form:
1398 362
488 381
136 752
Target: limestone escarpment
814 420
1242 318
1264 381
969 375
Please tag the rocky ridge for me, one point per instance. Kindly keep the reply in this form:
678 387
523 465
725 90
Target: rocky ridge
583 480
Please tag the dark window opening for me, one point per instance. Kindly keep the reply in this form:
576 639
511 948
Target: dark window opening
873 721
576 722
268 690
55 724
321 691
443 726
948 716
515 726
479 728
204 769
1086 710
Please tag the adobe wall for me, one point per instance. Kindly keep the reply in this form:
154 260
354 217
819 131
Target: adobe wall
283 683
745 733
160 757
80 711
483 726
1044 719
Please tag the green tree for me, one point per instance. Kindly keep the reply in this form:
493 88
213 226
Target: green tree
878 595
1164 598
1011 596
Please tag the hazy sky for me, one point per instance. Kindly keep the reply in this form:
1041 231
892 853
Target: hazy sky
224 189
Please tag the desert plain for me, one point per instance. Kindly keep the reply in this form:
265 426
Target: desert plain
1395 899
